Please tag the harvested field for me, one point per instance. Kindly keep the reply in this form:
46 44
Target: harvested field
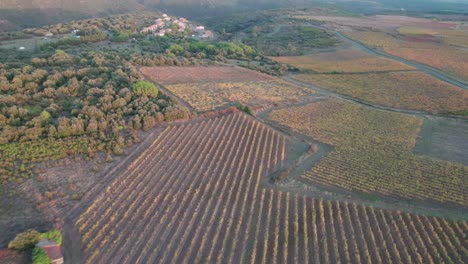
194 196
373 152
350 60
446 58
172 75
402 90
206 88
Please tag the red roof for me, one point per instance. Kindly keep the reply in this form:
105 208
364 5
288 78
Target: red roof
53 251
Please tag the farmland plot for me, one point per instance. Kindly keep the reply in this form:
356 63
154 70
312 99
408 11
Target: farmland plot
403 90
172 75
350 60
373 152
445 57
194 196
206 88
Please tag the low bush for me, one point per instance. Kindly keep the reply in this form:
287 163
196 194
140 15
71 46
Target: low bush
25 240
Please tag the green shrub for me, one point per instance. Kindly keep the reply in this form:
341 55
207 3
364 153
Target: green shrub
121 37
245 109
25 240
39 256
54 235
145 88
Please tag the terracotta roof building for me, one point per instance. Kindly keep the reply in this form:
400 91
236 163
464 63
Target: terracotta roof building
52 250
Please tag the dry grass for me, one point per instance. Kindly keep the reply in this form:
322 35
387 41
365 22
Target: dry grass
344 61
206 96
404 90
206 88
373 152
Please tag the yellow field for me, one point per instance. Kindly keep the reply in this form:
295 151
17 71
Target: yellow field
373 152
207 88
404 90
207 96
438 55
343 61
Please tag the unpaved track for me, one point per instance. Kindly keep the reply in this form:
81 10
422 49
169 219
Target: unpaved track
422 67
329 93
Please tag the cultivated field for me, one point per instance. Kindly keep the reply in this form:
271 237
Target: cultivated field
206 88
373 152
403 90
379 22
194 195
421 49
350 60
173 75
457 37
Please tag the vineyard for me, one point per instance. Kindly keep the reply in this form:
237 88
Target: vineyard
450 37
442 56
373 152
194 196
403 90
350 60
172 75
206 88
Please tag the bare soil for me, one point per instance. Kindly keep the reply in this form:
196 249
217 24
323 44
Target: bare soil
444 138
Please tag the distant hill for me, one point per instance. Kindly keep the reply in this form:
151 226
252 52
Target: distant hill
27 13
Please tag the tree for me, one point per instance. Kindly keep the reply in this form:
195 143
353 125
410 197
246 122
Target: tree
39 256
45 116
25 240
145 88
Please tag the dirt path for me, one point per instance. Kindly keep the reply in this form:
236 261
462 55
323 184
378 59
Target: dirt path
422 67
294 184
329 93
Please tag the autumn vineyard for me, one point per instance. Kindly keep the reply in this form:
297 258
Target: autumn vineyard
191 196
336 132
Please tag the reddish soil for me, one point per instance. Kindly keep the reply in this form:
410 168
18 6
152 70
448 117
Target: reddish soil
422 38
13 257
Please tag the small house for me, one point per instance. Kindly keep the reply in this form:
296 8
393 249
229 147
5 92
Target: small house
52 250
207 35
21 48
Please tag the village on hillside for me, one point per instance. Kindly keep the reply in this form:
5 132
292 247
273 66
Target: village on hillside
167 25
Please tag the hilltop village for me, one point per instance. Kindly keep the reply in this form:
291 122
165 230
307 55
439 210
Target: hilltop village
167 24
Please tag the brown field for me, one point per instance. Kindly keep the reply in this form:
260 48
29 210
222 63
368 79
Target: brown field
350 60
380 22
194 196
173 75
373 152
206 88
450 37
402 90
449 59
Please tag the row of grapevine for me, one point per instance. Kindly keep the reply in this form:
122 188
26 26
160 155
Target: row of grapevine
373 152
195 196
